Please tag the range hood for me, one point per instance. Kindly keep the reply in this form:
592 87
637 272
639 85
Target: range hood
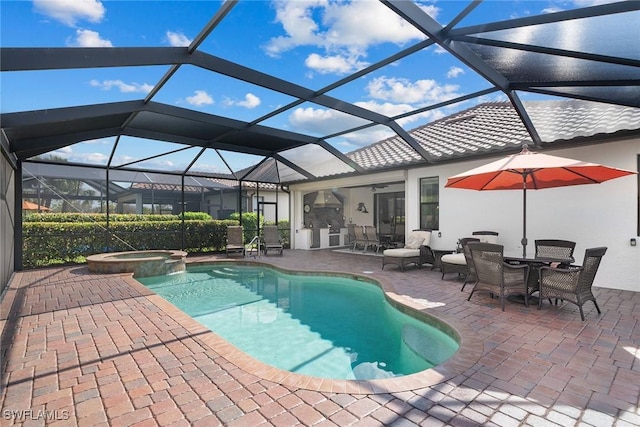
326 199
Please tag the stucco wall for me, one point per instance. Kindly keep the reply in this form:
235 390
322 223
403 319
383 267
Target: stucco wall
591 215
7 218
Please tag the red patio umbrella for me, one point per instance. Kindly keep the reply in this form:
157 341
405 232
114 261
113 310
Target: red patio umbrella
533 171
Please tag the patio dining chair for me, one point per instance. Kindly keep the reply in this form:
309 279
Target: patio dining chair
552 248
371 233
496 276
235 241
572 284
458 262
470 275
272 240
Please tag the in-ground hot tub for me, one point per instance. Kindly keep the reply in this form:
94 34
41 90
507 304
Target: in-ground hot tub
140 263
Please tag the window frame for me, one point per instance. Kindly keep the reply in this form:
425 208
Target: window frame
434 205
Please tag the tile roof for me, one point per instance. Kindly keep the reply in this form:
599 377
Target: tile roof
496 127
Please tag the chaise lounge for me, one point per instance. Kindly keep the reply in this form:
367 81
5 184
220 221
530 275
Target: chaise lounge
416 251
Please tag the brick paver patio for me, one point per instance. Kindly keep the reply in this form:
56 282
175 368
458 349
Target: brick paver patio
80 349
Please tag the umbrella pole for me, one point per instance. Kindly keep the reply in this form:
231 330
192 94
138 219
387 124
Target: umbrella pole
524 220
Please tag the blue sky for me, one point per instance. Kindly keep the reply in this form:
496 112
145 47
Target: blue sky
310 43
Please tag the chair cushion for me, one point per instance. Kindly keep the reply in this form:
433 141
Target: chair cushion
414 241
457 259
426 236
401 252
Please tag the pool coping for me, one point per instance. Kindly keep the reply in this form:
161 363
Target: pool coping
469 352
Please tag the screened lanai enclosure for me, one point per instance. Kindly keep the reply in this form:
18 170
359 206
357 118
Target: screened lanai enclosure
220 107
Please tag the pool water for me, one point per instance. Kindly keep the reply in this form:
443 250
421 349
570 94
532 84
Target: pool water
324 326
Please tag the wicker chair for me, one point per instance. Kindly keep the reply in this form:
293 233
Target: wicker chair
470 274
235 242
548 248
457 263
496 276
272 241
572 284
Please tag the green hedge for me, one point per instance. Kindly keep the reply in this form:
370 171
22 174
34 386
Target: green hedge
62 238
50 243
101 217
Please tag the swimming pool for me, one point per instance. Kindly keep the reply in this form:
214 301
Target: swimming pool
318 325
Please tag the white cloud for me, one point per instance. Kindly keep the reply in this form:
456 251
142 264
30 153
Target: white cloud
342 30
176 39
122 86
88 38
386 108
104 141
200 98
71 11
322 121
454 72
250 101
405 91
391 110
586 3
337 64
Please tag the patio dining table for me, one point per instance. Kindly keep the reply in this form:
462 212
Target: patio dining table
534 273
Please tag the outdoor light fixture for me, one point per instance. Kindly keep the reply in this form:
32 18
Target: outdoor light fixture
632 242
362 208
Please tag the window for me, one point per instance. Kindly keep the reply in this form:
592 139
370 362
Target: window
430 203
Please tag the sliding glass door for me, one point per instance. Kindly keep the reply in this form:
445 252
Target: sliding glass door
389 215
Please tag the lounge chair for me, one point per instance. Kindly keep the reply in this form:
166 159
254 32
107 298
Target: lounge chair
235 242
572 284
416 251
371 235
351 233
272 241
360 238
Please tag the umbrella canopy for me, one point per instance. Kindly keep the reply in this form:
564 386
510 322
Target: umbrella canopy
533 171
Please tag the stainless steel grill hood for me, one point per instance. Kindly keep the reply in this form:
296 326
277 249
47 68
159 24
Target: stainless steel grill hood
326 199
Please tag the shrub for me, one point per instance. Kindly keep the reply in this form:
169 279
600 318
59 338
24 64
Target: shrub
195 216
68 241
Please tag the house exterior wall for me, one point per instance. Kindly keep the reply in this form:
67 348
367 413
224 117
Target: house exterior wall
591 215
